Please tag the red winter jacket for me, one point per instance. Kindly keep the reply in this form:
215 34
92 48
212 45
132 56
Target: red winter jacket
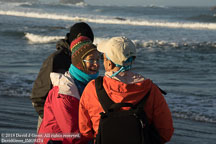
60 120
130 88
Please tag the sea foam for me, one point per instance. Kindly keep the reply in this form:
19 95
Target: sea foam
33 38
112 20
150 44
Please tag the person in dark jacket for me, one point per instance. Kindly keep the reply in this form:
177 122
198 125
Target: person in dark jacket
59 61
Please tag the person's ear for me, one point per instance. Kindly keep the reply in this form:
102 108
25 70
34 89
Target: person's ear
111 65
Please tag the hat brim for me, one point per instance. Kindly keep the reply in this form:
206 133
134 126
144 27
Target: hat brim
101 47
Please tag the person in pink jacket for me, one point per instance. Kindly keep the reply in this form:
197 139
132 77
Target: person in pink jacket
60 122
122 85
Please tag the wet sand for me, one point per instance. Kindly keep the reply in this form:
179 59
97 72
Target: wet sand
18 116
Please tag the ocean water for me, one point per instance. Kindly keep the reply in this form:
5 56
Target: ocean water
176 49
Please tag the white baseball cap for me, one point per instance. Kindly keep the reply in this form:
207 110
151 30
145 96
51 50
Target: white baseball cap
118 49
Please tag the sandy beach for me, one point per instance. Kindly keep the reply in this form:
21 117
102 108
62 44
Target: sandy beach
18 117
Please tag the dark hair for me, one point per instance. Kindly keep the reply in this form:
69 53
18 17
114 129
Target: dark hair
82 28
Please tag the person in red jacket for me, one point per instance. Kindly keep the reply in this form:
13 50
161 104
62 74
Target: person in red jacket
60 121
123 85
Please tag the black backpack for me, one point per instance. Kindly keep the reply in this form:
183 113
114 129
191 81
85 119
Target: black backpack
123 126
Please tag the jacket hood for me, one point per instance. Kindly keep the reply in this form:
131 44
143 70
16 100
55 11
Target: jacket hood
127 87
65 83
63 44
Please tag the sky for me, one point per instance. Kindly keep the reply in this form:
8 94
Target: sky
154 2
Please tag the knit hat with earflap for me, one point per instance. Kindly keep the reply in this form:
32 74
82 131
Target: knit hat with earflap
80 47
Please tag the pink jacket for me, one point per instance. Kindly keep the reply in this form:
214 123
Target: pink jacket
129 88
60 120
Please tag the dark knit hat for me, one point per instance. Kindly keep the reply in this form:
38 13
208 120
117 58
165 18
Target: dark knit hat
80 47
82 28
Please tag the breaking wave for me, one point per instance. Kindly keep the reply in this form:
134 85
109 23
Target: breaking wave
33 38
112 20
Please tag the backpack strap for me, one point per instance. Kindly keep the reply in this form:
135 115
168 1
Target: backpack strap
108 104
162 91
103 98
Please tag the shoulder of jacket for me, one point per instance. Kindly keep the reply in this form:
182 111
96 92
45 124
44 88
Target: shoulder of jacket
65 83
62 44
155 86
51 57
